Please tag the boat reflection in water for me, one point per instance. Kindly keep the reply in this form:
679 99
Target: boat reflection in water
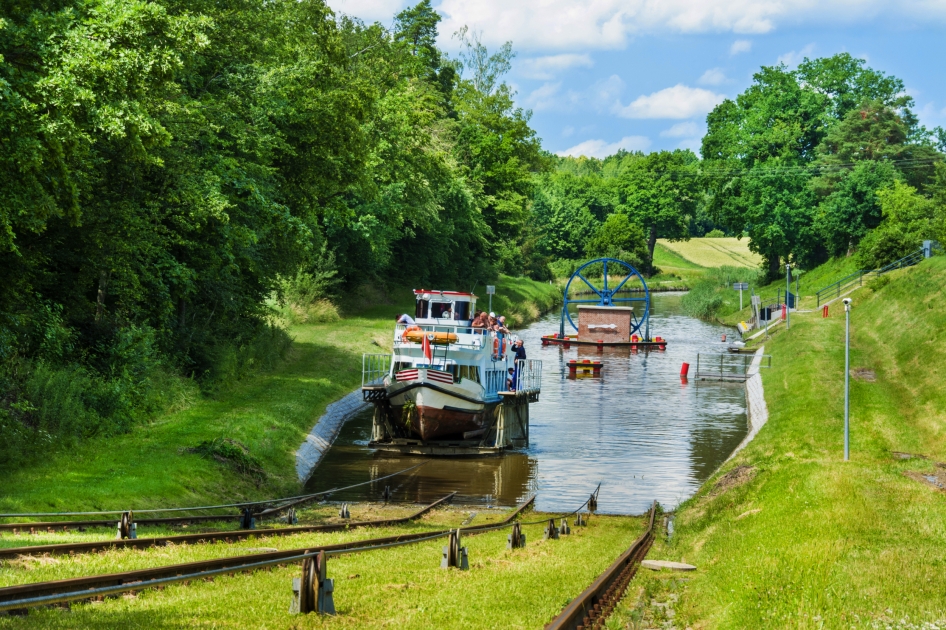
502 480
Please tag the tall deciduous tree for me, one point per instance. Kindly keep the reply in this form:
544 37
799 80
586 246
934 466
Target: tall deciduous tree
659 192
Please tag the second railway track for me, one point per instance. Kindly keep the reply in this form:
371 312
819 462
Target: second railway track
43 593
225 536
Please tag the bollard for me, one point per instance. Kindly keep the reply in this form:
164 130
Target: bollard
313 592
784 311
592 504
824 311
453 554
685 370
551 532
126 527
516 540
386 495
564 529
246 519
291 518
344 513
580 521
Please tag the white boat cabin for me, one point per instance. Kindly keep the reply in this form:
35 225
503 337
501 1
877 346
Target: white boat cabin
453 345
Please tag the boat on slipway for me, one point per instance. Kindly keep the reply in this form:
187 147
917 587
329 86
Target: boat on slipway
447 388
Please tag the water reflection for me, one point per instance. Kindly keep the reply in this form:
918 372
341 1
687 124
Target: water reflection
638 430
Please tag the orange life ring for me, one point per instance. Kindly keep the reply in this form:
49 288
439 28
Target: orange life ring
495 346
409 329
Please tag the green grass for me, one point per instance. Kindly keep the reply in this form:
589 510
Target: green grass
270 413
714 252
813 541
401 587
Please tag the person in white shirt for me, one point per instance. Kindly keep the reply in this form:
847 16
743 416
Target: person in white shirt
405 319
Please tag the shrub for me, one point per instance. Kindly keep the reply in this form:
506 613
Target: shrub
703 300
715 233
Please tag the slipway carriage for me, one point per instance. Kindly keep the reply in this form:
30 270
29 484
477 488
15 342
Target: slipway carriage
615 314
448 388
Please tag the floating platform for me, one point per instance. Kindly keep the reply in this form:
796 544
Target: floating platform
569 340
574 366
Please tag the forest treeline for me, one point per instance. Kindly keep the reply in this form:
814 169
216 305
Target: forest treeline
822 161
169 170
167 167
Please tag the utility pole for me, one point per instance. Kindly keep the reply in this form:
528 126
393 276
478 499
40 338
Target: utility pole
847 378
788 287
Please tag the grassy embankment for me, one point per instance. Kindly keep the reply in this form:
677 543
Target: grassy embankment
802 539
270 413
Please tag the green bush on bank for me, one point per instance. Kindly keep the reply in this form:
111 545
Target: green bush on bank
61 395
712 294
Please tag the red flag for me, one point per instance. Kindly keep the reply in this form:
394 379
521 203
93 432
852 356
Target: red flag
428 351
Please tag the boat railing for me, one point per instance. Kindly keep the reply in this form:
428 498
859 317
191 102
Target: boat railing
374 367
457 330
495 382
528 375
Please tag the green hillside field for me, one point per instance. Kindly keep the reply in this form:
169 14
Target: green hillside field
714 252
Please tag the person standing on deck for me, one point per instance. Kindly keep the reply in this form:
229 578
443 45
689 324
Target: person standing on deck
520 349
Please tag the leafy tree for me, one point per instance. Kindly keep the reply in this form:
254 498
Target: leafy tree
618 237
908 219
659 192
758 149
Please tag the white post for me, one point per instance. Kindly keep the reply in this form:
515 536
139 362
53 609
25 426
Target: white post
740 297
847 379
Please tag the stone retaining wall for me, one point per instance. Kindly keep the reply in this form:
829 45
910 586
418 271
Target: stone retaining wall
757 412
325 431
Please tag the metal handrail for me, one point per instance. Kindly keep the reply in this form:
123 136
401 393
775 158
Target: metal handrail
374 367
528 375
858 276
841 285
728 365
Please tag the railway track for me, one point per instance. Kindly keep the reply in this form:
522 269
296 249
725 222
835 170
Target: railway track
258 509
225 536
592 607
24 596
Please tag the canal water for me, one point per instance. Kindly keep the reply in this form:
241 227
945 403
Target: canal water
637 430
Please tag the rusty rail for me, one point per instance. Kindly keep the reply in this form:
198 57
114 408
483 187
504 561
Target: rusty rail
227 536
25 596
592 607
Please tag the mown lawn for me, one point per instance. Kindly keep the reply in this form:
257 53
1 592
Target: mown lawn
714 252
811 541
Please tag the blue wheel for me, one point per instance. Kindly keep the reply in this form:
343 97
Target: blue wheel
608 296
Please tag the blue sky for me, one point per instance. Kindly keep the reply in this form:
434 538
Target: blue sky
601 75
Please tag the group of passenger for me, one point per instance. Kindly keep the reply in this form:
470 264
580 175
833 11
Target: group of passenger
483 321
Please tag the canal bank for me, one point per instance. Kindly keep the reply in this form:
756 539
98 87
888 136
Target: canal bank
787 534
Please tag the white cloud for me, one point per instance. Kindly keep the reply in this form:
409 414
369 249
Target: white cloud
713 76
544 97
682 130
795 57
548 67
602 148
679 101
570 25
740 46
368 10
568 131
